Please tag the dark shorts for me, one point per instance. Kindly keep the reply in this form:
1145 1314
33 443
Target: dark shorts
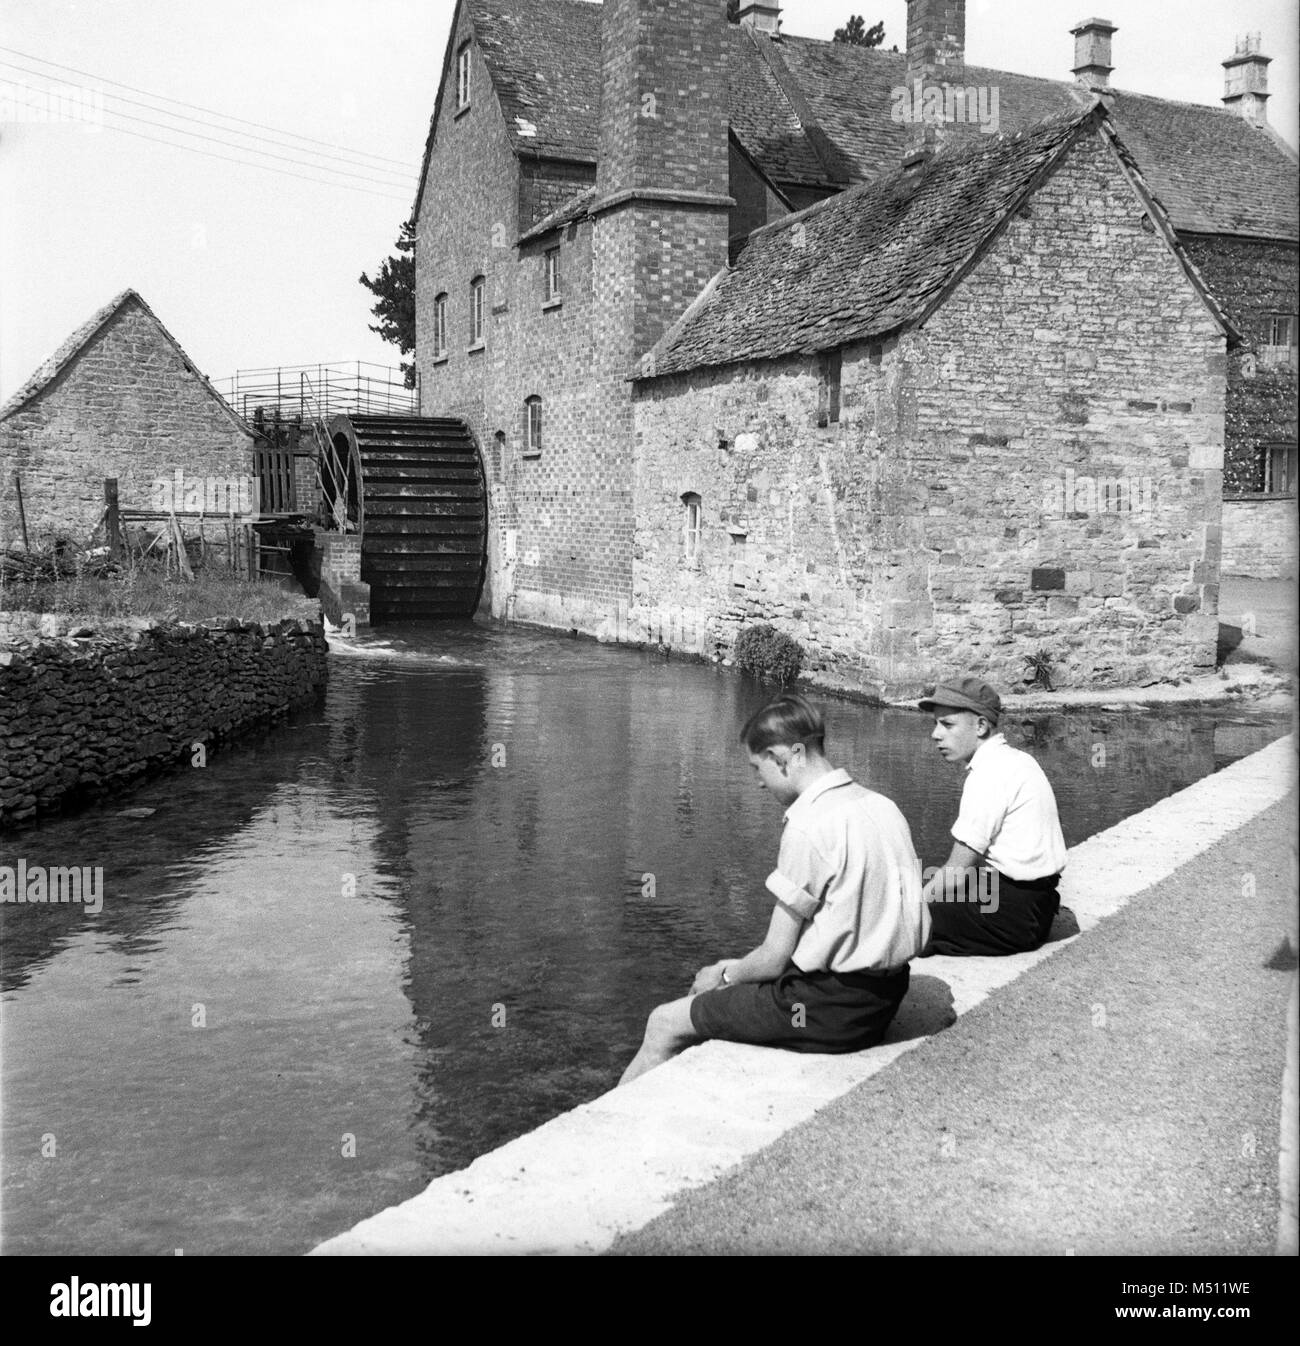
1022 920
803 1011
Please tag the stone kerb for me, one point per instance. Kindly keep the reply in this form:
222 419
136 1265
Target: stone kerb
84 717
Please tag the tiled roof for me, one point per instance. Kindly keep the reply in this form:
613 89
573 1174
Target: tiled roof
573 209
1214 171
869 261
544 58
51 368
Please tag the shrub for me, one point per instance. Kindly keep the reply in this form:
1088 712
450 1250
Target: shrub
770 655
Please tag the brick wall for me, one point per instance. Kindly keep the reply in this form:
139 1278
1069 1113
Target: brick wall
560 523
126 407
1252 279
1259 537
930 530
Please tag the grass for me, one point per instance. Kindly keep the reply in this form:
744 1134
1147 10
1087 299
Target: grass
151 595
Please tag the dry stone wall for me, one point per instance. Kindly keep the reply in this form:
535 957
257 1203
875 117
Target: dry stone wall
83 718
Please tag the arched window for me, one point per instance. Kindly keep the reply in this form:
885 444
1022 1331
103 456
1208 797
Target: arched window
691 526
440 326
533 426
477 296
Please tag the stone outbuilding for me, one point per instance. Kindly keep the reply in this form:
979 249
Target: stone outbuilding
120 398
947 419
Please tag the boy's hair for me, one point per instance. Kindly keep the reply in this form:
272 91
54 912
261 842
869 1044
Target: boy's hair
784 722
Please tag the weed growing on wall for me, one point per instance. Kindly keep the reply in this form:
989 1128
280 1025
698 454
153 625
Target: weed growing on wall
770 655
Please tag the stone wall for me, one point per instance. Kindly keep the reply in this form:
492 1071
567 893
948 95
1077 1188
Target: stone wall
84 718
1259 537
127 406
963 513
1253 279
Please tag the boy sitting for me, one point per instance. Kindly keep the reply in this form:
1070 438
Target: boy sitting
1007 835
849 914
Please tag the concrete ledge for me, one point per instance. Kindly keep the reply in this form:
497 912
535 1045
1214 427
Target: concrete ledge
611 1165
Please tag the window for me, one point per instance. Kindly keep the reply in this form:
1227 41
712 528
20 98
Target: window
552 274
440 327
477 294
828 389
462 77
1282 332
1280 469
691 528
533 426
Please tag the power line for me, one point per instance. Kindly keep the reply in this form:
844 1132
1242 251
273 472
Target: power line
198 135
227 116
201 122
244 163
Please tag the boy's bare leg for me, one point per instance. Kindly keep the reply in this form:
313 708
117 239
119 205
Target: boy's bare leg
667 1031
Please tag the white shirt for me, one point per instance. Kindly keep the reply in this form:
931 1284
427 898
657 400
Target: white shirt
848 867
1008 813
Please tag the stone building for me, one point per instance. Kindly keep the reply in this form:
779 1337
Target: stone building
600 179
120 398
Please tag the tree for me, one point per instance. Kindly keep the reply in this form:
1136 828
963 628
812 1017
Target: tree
857 34
394 291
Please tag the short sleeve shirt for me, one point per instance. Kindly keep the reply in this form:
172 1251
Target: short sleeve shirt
848 868
1008 813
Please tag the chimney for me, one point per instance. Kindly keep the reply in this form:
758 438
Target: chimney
763 18
936 55
662 176
1245 80
1092 65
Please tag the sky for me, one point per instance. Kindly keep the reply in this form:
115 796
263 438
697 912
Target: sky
249 268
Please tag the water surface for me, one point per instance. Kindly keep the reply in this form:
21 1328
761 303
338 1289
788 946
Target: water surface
421 918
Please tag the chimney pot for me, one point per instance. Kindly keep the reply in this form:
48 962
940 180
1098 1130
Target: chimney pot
1092 65
1245 80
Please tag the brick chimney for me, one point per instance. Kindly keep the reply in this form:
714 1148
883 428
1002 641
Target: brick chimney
766 18
1245 83
936 55
1092 65
662 174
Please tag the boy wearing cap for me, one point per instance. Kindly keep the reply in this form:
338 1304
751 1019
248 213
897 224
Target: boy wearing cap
833 968
1007 835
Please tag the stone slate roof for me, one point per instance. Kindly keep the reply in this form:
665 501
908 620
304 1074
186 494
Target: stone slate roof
814 113
871 260
67 353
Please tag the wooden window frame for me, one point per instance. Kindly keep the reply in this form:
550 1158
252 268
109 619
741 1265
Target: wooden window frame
440 326
533 425
463 78
477 312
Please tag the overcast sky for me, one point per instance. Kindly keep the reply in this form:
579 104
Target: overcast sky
249 268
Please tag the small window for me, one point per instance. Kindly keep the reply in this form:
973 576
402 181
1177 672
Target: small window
440 327
1282 333
533 425
552 274
477 297
828 391
691 528
462 77
1280 469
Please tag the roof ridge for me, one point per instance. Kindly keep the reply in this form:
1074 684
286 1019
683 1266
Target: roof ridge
54 364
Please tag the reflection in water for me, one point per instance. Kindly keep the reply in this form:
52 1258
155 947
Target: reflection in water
422 919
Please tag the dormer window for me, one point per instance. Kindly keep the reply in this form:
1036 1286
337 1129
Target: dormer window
533 426
477 298
440 327
462 77
552 274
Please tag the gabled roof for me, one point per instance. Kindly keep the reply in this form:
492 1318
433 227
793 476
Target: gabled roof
50 370
815 114
880 256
